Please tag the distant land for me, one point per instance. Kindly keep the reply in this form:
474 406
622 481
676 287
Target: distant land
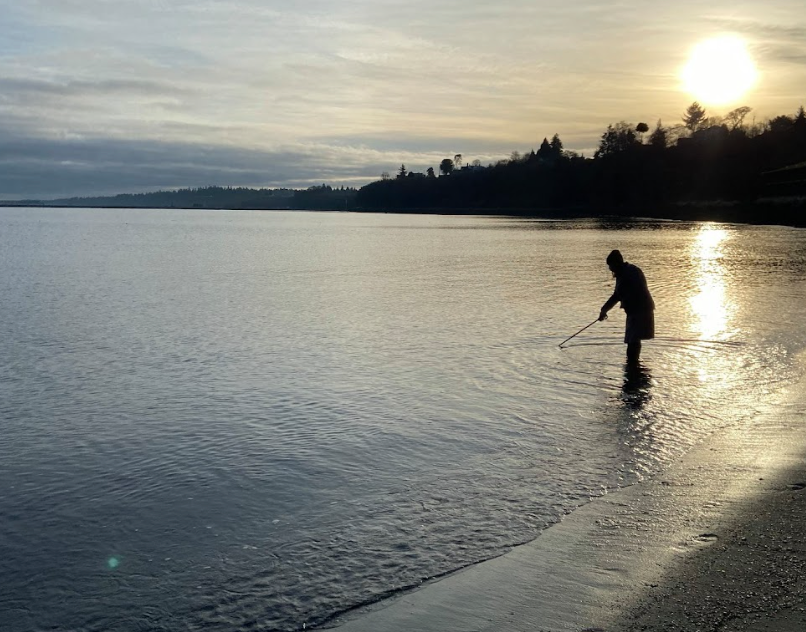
321 197
709 168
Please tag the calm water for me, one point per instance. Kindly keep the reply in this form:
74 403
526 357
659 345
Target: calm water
253 421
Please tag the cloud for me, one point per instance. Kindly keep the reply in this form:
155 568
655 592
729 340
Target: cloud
27 90
46 168
366 84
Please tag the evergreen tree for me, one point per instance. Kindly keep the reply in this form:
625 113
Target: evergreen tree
694 117
545 152
556 146
659 137
800 119
616 139
781 124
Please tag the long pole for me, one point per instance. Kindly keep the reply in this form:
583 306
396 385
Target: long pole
579 332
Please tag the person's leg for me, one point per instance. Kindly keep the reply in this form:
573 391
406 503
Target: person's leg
633 352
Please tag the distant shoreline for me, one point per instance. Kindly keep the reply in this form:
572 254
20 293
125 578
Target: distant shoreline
778 211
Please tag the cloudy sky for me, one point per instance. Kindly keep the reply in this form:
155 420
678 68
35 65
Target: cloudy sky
111 96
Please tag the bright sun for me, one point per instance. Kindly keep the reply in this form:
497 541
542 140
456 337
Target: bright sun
719 71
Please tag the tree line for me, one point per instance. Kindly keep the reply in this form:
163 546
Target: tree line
705 167
322 197
703 162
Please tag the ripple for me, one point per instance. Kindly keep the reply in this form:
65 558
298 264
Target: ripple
280 424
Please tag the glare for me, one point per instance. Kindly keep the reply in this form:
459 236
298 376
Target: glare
719 71
113 562
710 306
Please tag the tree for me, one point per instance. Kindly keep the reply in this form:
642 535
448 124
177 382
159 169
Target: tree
781 123
618 138
735 118
556 146
446 166
430 172
477 163
545 152
659 138
457 161
641 128
401 173
385 176
694 117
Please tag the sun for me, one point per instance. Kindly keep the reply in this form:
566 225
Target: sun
719 71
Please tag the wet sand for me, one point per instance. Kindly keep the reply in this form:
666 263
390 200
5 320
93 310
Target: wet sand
717 541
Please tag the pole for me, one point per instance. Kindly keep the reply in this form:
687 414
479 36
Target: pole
579 332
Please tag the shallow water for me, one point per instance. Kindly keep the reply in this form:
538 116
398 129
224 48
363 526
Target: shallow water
255 420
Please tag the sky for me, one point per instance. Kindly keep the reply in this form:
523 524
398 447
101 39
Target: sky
100 97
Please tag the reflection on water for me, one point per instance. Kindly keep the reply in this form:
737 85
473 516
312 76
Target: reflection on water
228 421
710 307
638 419
636 391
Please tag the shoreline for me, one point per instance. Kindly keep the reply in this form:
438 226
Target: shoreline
771 212
712 539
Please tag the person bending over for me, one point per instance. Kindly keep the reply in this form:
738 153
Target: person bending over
636 301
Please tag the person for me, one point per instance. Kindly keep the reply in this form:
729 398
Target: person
636 301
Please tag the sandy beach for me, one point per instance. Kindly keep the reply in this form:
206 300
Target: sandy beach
713 542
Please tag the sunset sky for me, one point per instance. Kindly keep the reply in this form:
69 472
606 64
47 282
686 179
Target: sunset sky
112 96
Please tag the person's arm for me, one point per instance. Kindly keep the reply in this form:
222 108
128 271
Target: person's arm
611 302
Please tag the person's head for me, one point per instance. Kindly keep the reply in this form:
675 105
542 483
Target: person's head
615 261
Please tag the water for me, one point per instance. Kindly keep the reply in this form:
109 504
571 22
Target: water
256 420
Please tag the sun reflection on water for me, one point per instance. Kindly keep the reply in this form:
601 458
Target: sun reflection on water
710 306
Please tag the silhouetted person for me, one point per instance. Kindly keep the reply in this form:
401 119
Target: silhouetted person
636 301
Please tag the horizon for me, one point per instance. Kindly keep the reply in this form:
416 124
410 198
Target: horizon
102 99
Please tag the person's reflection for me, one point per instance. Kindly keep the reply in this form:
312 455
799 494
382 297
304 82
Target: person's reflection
637 388
630 412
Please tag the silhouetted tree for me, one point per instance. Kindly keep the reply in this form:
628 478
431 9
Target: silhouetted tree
659 138
556 146
616 139
457 161
385 175
641 128
735 118
324 197
781 124
694 117
720 160
430 172
545 151
401 173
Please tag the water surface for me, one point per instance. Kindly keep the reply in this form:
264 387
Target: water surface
257 420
